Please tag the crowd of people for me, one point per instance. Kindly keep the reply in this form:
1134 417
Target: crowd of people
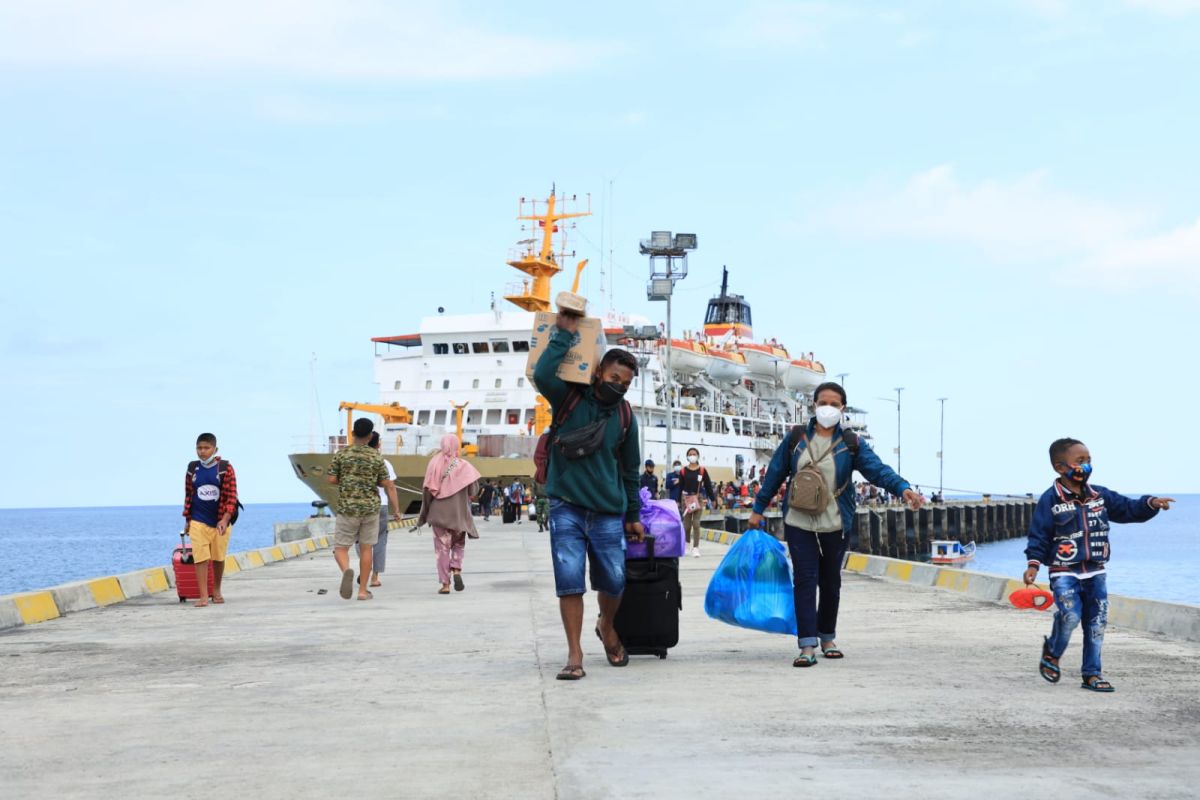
590 504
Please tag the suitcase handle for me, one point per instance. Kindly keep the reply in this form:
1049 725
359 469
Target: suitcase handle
650 549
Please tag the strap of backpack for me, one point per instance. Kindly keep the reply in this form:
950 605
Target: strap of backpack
573 397
191 469
626 420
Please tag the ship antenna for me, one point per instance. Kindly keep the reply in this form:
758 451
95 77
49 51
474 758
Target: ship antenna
724 280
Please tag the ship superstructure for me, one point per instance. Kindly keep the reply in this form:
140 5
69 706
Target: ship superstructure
732 397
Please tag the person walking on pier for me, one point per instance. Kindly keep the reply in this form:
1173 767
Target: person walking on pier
671 482
695 490
379 551
649 480
817 461
450 483
358 471
594 501
210 504
486 496
1069 534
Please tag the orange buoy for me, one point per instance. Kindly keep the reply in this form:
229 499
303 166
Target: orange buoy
1032 597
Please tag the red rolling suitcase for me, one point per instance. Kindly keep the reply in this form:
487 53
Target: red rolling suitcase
186 585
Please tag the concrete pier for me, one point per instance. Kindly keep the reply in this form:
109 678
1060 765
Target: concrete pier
284 692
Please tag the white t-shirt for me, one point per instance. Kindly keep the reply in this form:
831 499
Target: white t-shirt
383 498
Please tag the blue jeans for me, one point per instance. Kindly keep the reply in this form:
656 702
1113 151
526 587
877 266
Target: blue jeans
816 563
576 533
1080 601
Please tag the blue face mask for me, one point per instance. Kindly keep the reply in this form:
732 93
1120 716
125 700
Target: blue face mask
1081 473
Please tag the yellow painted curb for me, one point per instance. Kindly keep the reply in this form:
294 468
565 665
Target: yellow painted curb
231 565
309 545
856 562
36 607
294 549
901 572
949 579
324 540
106 591
277 553
255 558
155 580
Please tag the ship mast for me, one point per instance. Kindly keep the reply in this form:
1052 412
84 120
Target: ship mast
543 264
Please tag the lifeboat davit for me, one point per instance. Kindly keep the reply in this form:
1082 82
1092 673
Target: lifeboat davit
688 357
765 360
803 375
726 366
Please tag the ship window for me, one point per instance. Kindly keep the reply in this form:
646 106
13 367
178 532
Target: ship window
493 416
423 417
521 347
474 416
439 417
475 383
428 384
520 383
529 415
512 417
709 426
479 347
746 315
446 384
499 346
499 382
460 348
396 385
441 349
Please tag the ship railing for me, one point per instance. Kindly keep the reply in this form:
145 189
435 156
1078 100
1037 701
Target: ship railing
389 445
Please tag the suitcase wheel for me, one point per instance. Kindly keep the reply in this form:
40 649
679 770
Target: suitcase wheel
661 656
182 599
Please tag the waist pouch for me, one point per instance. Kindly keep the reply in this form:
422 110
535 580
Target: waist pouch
582 442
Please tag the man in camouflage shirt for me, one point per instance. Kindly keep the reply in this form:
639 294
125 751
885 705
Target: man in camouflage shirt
357 471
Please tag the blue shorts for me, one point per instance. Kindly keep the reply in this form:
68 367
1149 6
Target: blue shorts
575 533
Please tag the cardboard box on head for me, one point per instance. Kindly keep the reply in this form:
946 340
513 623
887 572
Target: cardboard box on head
581 360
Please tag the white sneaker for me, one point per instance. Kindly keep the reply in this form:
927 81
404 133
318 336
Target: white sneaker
695 552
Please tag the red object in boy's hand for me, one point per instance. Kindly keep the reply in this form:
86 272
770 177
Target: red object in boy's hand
1032 597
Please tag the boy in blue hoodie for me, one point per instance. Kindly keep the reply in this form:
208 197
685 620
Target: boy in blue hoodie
1069 534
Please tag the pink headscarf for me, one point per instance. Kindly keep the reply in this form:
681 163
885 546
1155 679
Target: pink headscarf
447 473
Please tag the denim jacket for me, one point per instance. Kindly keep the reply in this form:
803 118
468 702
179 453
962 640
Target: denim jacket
783 467
1069 532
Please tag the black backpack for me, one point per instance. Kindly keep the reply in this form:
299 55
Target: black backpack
221 465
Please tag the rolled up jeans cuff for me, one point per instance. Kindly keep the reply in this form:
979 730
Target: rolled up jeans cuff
809 641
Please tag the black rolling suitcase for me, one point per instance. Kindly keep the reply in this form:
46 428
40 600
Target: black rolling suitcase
509 513
648 619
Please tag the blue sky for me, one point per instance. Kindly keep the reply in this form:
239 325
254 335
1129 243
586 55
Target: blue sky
997 203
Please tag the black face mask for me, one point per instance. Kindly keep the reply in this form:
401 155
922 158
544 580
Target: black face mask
609 394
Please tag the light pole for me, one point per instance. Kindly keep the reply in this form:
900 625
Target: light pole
942 444
899 389
668 264
841 376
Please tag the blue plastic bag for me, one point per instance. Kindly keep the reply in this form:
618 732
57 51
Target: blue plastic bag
752 587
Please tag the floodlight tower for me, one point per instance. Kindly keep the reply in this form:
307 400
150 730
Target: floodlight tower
668 264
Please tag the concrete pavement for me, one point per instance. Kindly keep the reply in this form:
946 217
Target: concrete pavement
284 692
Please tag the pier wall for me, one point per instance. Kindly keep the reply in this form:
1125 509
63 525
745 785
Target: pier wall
29 608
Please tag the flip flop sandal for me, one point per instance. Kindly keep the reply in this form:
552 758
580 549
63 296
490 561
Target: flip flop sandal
1048 669
833 652
219 600
608 654
444 590
571 672
347 587
805 661
458 582
1094 683
368 597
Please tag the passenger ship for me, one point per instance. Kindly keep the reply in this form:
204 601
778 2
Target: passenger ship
731 396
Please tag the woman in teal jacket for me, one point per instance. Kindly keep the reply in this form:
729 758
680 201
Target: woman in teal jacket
817 540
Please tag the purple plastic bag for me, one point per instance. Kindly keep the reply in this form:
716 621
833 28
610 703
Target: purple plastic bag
661 520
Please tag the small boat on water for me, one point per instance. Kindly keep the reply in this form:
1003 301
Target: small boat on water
949 553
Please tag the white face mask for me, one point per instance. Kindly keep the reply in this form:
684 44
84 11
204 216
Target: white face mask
693 459
828 416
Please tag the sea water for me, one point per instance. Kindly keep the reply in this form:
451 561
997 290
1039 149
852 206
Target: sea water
43 547
1157 560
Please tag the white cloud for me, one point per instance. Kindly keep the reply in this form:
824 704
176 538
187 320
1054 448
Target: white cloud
1026 220
328 39
1171 8
297 109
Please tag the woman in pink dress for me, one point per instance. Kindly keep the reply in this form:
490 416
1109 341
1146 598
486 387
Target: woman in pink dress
450 483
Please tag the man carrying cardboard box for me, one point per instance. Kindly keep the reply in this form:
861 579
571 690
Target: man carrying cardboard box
592 483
